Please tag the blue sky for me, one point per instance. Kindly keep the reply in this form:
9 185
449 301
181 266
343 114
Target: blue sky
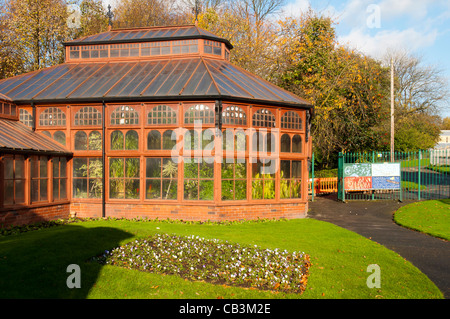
421 27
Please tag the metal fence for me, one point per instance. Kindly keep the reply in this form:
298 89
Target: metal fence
422 175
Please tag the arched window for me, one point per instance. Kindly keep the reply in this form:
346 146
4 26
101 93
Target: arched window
26 117
47 133
285 143
296 144
88 115
234 115
154 140
116 140
131 140
263 118
60 137
291 120
169 140
161 114
124 115
81 141
52 116
199 113
95 141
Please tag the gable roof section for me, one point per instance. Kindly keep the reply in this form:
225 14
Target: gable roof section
169 79
15 137
166 33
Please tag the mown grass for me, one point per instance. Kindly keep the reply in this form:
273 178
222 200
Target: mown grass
431 217
35 262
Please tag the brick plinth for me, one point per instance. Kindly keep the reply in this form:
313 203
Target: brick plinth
24 216
192 212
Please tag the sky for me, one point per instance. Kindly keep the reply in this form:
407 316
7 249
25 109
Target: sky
421 27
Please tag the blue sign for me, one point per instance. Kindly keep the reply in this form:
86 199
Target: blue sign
386 182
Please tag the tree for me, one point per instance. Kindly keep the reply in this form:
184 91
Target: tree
35 30
348 90
445 124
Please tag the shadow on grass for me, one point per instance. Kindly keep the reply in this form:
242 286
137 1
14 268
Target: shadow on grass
35 264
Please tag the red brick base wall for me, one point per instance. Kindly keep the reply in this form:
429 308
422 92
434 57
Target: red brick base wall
192 212
23 216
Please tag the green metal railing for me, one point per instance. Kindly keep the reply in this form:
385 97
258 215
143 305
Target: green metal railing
424 175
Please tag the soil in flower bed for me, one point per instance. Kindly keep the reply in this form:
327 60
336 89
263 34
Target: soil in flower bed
215 261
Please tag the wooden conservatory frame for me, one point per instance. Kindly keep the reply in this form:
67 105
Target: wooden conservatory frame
126 133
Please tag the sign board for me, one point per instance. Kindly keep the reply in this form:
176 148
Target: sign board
386 169
357 169
358 183
386 182
369 176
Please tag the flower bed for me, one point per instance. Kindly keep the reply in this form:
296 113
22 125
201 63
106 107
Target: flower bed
214 261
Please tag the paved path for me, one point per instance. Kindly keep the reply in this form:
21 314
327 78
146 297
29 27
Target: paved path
373 219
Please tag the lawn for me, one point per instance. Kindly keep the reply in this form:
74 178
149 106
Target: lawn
36 262
431 217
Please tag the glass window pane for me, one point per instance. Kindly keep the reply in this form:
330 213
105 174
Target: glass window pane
8 167
169 140
285 169
154 140
43 189
206 190
20 167
95 188
208 139
191 141
117 140
55 162
20 191
95 141
63 188
116 188
116 167
285 143
80 141
153 167
63 166
43 167
79 167
132 188
169 189
297 144
153 189
207 169
240 190
132 167
132 140
190 170
34 190
8 192
60 137
296 169
190 189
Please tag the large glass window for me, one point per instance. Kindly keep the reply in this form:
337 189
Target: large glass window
161 114
124 115
87 177
124 178
201 114
234 180
263 179
234 140
234 115
199 179
129 141
289 145
59 178
167 142
60 137
14 180
52 116
291 120
161 178
39 178
263 142
291 179
263 118
88 116
26 118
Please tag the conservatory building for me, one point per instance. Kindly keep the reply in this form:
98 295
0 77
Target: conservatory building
151 123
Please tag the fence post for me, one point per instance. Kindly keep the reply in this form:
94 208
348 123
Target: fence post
312 173
418 177
341 190
373 161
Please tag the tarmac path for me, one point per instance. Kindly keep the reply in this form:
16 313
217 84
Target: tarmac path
374 220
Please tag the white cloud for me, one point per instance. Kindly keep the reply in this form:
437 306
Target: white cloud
295 8
376 45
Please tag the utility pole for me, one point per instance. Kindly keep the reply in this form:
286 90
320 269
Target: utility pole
392 109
